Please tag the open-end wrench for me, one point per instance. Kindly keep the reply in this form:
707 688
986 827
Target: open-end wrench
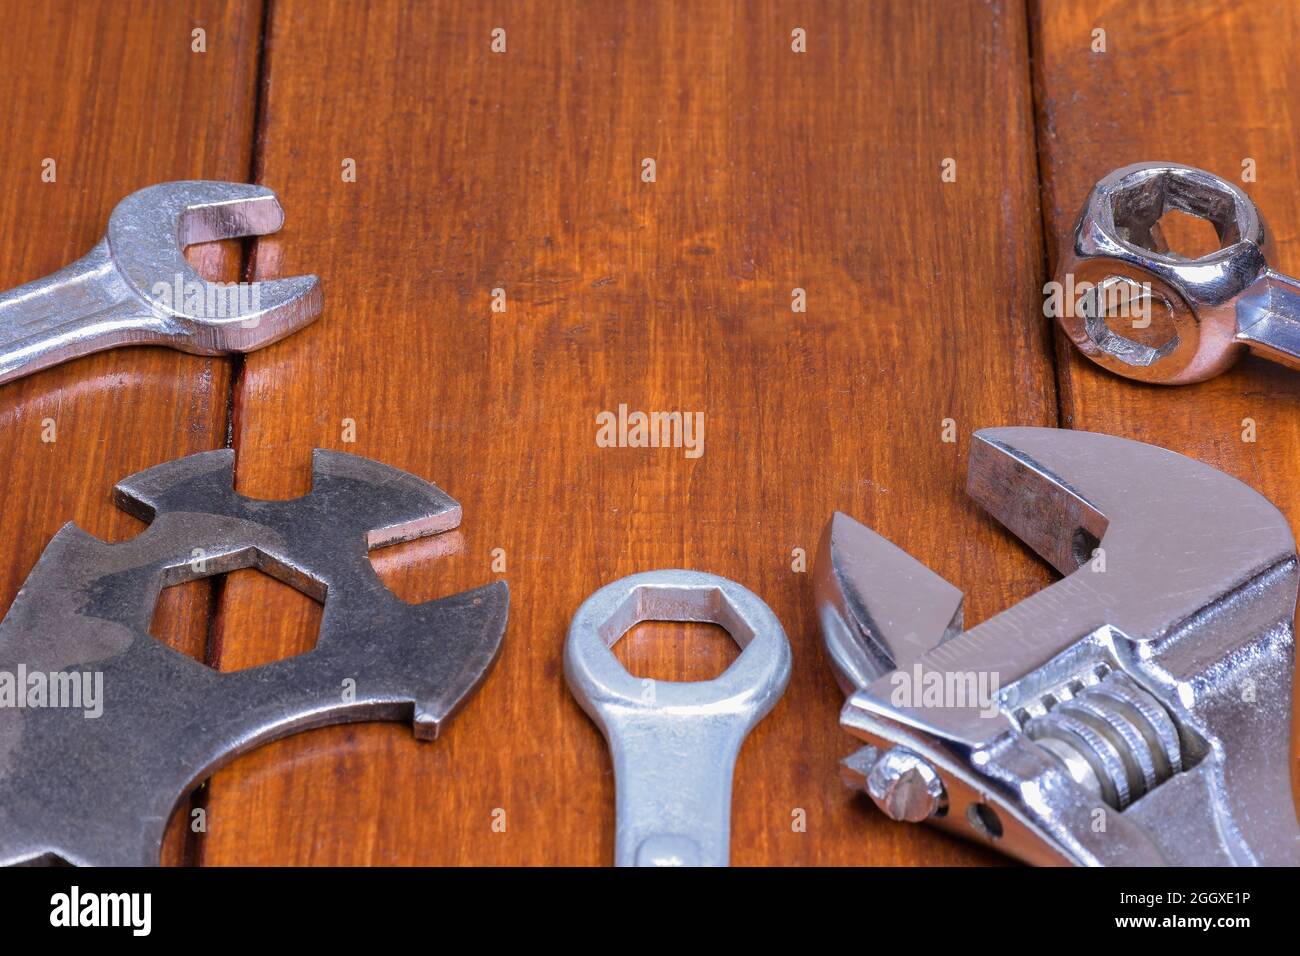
1136 712
674 744
135 287
1197 316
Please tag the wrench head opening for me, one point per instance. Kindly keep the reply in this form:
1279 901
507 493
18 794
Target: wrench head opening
753 682
147 234
1138 198
1150 687
1135 306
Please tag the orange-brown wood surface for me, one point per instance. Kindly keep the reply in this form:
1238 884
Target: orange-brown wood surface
523 171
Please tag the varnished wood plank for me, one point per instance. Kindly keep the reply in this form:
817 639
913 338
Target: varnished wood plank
521 171
114 95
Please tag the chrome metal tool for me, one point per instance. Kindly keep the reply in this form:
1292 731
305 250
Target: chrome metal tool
94 782
1138 711
1141 310
674 744
135 287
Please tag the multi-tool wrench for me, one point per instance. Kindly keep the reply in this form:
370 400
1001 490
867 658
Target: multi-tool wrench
97 785
1137 711
674 744
136 288
1145 312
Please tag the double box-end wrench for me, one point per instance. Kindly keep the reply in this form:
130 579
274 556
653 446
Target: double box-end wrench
135 287
674 744
1137 308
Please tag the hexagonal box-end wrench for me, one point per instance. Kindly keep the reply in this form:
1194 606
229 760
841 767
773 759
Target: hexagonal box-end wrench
1139 309
1138 711
136 288
674 744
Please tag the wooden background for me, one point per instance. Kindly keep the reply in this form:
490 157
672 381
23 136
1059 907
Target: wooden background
521 170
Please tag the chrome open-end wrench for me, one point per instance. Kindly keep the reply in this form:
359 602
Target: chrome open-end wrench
674 744
1137 711
1195 316
135 287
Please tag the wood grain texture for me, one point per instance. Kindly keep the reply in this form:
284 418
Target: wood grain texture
113 94
522 171
1208 84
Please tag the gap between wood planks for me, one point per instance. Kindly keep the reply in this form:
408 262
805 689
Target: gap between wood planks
1033 77
194 841
192 850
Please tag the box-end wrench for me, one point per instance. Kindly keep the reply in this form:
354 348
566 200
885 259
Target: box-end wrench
674 744
1196 316
135 287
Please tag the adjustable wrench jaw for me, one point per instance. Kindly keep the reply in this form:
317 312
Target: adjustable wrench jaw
1137 711
135 286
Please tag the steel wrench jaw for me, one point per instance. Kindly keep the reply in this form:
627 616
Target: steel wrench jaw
1137 710
147 234
879 607
1117 274
136 288
674 744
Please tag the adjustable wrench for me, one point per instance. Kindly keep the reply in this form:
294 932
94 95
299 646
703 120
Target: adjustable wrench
1197 315
1136 712
674 744
135 287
